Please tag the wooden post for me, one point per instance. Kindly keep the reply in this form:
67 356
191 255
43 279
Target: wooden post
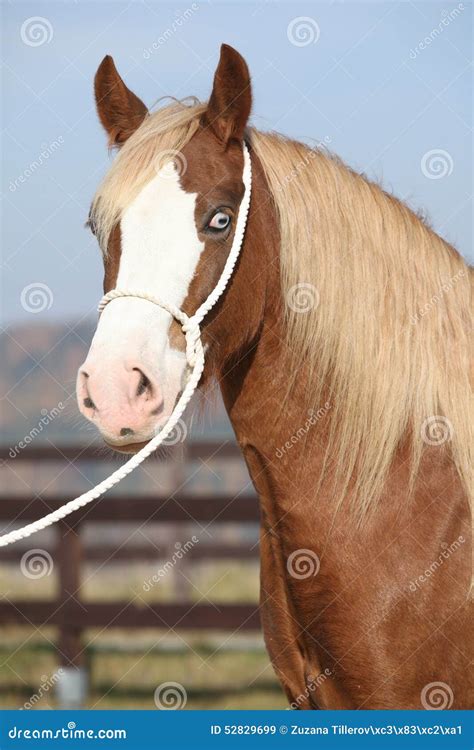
180 571
72 684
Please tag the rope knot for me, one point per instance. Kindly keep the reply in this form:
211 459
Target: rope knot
192 333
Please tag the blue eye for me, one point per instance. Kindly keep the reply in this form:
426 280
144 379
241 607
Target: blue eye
219 221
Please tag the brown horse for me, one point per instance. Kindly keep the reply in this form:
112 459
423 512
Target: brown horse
341 348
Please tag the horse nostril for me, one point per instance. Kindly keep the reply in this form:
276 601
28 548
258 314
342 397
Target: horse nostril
144 384
88 403
126 431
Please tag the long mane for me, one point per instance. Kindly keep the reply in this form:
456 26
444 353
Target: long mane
388 324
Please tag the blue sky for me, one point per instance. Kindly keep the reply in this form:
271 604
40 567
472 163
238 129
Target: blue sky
386 84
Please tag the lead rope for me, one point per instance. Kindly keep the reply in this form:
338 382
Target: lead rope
195 358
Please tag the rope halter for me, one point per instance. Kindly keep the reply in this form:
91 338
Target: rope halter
189 326
194 356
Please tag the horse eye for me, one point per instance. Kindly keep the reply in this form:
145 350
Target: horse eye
219 221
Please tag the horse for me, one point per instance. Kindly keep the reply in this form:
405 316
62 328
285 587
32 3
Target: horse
341 348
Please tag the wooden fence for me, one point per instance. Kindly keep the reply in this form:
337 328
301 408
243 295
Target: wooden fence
68 612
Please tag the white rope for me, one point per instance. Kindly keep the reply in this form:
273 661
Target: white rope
195 359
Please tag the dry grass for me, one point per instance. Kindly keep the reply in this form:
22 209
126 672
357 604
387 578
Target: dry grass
212 677
217 670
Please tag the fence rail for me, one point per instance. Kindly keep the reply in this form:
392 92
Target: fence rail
145 508
124 614
195 450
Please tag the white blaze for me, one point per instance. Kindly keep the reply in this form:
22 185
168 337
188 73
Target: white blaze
160 253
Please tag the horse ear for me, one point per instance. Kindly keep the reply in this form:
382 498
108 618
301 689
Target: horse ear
229 105
119 110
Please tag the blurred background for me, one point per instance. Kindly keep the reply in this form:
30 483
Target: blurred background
152 596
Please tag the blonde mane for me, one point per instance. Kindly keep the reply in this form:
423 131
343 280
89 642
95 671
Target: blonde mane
387 328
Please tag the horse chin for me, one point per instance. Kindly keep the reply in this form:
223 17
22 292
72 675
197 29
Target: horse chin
129 448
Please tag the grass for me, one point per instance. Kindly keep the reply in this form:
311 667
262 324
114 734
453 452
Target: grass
217 670
211 675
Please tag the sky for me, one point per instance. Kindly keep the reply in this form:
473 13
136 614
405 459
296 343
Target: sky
385 85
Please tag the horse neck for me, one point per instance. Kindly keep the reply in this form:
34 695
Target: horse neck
254 358
283 431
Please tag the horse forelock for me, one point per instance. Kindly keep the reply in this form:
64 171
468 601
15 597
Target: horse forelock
160 138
